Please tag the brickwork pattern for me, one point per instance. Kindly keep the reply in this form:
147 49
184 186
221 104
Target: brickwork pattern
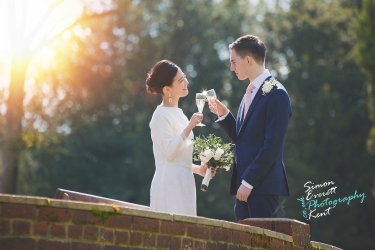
34 227
299 231
39 223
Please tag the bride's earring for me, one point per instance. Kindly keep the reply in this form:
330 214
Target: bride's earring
170 98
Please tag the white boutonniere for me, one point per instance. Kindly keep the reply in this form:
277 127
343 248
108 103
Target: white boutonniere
269 85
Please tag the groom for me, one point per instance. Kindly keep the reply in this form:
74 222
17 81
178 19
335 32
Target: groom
258 172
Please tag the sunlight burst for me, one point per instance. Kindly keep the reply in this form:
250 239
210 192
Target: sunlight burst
26 26
29 16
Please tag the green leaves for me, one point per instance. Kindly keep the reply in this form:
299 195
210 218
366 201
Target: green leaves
364 54
213 151
364 31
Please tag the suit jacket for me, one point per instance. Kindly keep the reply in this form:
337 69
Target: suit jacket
259 143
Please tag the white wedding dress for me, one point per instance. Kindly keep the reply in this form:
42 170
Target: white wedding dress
173 186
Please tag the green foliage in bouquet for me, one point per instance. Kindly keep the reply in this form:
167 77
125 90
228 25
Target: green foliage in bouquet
213 151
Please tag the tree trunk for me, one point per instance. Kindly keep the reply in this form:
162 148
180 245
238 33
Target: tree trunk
11 136
12 133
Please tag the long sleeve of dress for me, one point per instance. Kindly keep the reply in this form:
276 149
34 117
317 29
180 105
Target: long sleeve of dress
169 142
173 187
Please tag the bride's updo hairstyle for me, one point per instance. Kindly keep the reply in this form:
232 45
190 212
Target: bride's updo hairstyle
160 75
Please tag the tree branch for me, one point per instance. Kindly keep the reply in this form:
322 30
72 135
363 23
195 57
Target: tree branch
43 20
22 26
12 22
45 41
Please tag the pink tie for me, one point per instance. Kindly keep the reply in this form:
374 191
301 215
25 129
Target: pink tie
248 94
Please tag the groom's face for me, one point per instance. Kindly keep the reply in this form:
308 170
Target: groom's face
239 65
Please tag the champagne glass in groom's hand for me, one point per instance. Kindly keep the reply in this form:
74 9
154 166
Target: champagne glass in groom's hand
211 94
217 107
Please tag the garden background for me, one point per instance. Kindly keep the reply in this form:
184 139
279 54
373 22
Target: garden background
74 112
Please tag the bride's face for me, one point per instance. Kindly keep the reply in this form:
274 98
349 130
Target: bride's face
180 85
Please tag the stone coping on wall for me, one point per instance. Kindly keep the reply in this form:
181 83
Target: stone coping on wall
319 245
299 231
48 202
287 230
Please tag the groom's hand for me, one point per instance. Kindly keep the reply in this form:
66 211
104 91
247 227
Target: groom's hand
243 193
217 107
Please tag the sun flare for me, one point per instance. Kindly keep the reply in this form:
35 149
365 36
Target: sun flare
16 15
26 26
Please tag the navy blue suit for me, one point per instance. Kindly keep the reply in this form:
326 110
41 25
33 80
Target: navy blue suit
259 146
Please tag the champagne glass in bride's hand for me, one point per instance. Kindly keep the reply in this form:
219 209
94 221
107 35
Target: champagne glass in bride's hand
210 94
201 100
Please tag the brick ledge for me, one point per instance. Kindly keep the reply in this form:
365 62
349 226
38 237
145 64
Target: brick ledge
48 202
319 245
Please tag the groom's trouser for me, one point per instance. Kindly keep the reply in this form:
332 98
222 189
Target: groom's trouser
257 206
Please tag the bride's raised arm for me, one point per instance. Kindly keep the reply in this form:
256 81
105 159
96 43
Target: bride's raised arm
171 145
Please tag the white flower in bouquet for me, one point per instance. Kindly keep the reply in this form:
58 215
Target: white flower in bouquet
212 151
206 155
219 152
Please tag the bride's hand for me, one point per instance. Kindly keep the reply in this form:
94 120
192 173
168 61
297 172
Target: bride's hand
203 169
213 172
195 119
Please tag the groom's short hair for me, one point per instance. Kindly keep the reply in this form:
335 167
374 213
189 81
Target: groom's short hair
250 45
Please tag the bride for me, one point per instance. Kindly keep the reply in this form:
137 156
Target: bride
173 185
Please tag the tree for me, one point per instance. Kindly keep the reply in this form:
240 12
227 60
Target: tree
88 145
327 134
112 156
364 30
97 141
20 41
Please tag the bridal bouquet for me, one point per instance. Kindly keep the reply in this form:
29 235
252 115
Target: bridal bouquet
212 151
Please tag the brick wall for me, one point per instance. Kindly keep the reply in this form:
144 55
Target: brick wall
37 223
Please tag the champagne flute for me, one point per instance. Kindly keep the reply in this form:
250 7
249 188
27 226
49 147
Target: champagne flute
211 94
201 100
